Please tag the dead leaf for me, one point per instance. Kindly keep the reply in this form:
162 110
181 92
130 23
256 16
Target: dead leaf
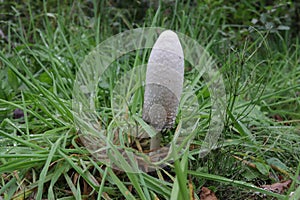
191 189
207 194
277 187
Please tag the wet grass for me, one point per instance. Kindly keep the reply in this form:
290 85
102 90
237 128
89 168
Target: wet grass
43 46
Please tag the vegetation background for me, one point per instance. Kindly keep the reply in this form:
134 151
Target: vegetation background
256 46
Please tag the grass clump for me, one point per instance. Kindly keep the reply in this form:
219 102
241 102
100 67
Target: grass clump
255 47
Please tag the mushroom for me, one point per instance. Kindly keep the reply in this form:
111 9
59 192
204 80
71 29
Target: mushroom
164 82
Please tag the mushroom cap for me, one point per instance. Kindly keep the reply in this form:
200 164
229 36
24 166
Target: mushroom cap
164 81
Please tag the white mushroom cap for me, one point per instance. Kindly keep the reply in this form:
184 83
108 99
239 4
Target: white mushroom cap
164 81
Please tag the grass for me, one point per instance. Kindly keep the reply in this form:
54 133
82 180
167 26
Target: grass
41 154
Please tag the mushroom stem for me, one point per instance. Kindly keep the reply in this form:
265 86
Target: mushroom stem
155 142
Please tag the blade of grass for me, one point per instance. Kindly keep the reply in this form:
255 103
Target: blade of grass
180 190
46 167
128 169
127 194
60 169
159 186
296 195
72 187
78 169
20 141
19 164
234 182
102 183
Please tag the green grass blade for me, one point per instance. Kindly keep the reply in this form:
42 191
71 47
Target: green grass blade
180 190
234 182
45 168
127 194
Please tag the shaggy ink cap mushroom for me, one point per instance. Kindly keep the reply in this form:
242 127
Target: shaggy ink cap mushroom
164 82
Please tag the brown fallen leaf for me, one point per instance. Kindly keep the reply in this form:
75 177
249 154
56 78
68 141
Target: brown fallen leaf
207 194
191 189
277 187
